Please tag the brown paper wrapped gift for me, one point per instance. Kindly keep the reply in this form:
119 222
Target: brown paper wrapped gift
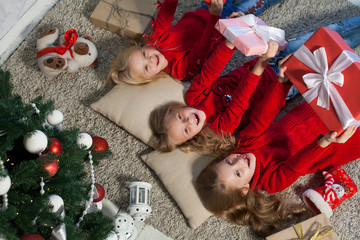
131 18
317 227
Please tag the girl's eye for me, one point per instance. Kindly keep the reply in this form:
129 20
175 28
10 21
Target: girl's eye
237 174
186 131
228 162
144 54
146 67
179 116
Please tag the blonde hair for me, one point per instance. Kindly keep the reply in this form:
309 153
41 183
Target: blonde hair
119 71
264 213
206 141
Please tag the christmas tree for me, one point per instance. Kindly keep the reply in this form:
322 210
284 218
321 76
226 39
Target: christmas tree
46 191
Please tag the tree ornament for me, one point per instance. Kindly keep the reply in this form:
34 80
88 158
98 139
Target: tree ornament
31 236
50 165
92 190
35 142
84 140
99 144
99 194
55 146
57 202
5 184
55 118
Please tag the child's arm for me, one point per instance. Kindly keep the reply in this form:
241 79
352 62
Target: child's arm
268 106
313 156
211 70
230 119
193 62
164 18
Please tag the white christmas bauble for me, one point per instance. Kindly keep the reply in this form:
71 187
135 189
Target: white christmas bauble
55 118
5 184
58 205
35 142
112 236
84 140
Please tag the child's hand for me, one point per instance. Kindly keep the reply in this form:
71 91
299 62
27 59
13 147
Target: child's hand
229 44
216 7
273 50
236 14
282 77
330 137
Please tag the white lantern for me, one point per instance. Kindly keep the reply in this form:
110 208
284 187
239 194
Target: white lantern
139 207
124 226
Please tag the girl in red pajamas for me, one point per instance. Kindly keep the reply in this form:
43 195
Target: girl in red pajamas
221 106
178 50
271 159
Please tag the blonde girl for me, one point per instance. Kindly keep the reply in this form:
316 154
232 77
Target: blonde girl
181 49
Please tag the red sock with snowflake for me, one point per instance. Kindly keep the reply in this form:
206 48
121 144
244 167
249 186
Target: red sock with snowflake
338 187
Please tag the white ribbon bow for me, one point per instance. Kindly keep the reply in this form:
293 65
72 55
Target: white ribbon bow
263 31
320 84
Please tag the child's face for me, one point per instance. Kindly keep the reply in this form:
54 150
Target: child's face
237 170
146 63
183 123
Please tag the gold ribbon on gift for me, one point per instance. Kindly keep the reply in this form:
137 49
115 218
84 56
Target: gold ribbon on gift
123 21
318 234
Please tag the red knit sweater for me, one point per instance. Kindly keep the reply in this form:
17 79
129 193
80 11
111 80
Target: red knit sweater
188 43
289 149
254 99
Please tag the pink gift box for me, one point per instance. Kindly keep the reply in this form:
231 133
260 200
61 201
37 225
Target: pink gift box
242 33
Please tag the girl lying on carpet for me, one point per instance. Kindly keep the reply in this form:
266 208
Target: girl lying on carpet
179 50
221 107
271 159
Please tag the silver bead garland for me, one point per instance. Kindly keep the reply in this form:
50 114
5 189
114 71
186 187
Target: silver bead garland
88 204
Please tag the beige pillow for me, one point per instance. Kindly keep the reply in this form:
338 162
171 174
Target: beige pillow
129 107
178 171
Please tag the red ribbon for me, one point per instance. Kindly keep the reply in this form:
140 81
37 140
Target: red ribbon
158 4
70 38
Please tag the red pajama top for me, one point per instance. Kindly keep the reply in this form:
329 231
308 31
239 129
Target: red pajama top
188 43
289 149
232 101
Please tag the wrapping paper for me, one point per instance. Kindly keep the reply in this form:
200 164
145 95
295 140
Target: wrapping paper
250 34
326 72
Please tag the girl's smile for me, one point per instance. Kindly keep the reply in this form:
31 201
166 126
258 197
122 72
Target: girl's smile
146 63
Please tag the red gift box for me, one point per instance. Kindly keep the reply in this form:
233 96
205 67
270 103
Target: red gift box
326 72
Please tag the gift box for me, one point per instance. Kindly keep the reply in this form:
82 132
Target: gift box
326 72
318 227
250 34
131 18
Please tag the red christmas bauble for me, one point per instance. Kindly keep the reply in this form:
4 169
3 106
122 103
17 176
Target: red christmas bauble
100 193
31 236
55 146
49 164
99 144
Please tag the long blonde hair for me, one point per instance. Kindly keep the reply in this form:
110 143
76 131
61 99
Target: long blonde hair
119 71
206 141
264 213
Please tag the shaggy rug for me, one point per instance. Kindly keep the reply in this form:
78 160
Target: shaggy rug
73 93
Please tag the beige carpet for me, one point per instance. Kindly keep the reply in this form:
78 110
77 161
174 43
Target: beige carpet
73 93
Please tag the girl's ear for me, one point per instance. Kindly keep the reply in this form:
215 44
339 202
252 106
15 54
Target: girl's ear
245 189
